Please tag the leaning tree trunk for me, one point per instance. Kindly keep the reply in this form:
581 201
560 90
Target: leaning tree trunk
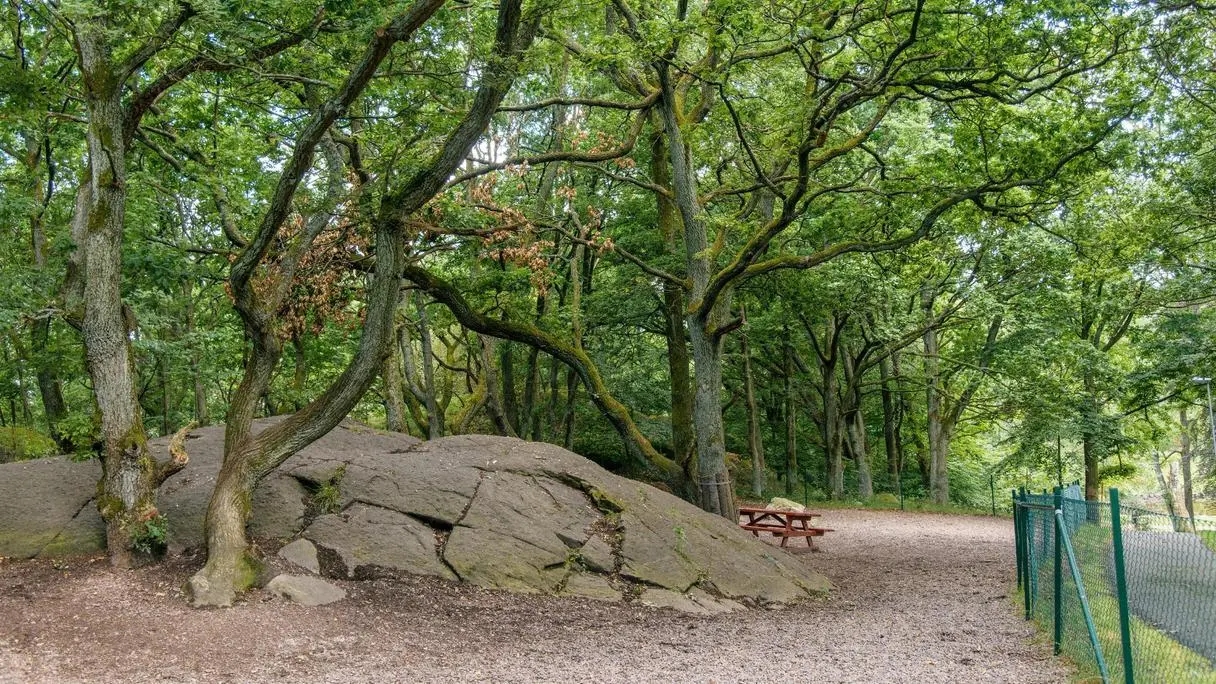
1167 492
249 458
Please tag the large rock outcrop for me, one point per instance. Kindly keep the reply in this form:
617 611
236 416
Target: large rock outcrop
491 511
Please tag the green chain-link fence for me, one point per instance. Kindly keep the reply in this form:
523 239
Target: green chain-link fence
1127 594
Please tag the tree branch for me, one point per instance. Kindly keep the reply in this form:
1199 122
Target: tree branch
575 358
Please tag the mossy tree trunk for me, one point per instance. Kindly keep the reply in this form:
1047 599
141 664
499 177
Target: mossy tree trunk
127 492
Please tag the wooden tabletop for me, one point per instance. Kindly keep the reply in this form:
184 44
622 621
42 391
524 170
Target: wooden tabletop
750 510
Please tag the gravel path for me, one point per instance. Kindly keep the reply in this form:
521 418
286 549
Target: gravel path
920 598
1171 583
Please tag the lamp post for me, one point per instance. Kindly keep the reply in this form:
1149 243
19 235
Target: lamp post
1207 382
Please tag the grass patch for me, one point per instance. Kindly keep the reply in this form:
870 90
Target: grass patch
1209 538
886 502
1156 656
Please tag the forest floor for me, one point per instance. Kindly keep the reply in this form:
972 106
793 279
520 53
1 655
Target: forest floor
919 597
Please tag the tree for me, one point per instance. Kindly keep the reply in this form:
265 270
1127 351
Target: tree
131 476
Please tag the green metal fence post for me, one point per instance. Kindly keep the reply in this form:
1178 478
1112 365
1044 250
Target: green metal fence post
1125 627
1017 539
1057 586
1026 561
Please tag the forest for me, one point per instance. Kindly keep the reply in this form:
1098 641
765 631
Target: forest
844 250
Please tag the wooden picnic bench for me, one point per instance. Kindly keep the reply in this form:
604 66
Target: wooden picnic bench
784 524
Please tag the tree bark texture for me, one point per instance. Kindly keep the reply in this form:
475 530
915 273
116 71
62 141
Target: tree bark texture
889 420
939 475
1186 452
755 445
130 477
674 306
394 388
704 323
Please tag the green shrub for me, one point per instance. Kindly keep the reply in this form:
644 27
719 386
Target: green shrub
885 499
22 443
149 533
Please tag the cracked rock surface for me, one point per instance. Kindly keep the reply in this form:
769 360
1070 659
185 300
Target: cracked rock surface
489 511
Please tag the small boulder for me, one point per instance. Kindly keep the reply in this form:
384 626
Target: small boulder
306 591
780 504
301 552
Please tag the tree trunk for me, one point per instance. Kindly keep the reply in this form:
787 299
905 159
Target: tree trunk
922 458
416 398
201 415
510 408
498 417
755 446
50 388
857 445
576 334
791 419
1167 492
553 420
939 476
712 474
569 415
1089 447
833 440
530 416
127 500
1188 491
674 306
41 188
434 415
889 421
704 322
679 372
394 388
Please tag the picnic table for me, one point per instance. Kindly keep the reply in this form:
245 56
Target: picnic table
784 524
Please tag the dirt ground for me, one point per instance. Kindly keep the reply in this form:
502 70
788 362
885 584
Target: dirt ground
920 598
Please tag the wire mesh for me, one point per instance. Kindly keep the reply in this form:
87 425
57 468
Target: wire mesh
1170 567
